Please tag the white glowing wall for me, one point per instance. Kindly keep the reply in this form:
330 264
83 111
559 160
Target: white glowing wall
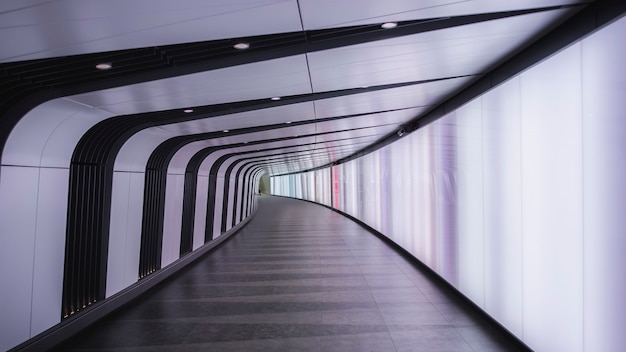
34 184
517 198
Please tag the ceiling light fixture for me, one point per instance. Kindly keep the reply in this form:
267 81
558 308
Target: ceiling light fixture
188 110
241 46
288 122
276 98
389 25
226 131
104 66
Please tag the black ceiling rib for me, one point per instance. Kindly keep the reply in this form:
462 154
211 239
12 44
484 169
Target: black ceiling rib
26 84
593 17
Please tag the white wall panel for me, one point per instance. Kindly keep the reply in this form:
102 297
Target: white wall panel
219 196
172 220
47 135
604 162
522 190
49 249
18 209
125 231
231 200
199 224
445 203
552 203
502 201
469 200
117 232
134 154
133 233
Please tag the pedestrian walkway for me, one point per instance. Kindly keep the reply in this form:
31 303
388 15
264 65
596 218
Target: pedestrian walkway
298 277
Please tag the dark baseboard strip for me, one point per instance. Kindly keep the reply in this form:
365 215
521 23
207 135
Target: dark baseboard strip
72 326
428 271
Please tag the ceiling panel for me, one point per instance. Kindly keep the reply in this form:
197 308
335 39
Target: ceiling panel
452 52
318 14
70 27
380 131
449 59
383 119
280 77
269 116
416 96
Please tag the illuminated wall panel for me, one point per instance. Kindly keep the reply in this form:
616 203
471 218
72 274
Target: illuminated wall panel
468 141
502 205
604 175
552 202
518 197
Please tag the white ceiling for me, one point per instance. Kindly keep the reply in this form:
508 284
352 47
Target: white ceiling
452 57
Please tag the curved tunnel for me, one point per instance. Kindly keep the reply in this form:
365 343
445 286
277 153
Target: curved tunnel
109 176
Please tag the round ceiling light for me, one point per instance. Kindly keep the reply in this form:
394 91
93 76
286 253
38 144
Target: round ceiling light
389 25
226 131
188 110
104 66
241 46
275 98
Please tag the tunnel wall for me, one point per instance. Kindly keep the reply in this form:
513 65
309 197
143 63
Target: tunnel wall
517 198
34 186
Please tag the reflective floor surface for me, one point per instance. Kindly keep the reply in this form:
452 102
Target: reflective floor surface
298 277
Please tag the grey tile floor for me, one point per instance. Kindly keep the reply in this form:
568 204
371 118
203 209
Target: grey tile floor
298 277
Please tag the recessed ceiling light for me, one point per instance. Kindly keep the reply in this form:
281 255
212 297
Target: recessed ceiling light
246 142
104 66
389 25
226 131
241 46
188 110
276 98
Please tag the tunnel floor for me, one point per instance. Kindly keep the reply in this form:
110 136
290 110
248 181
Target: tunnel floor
298 277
